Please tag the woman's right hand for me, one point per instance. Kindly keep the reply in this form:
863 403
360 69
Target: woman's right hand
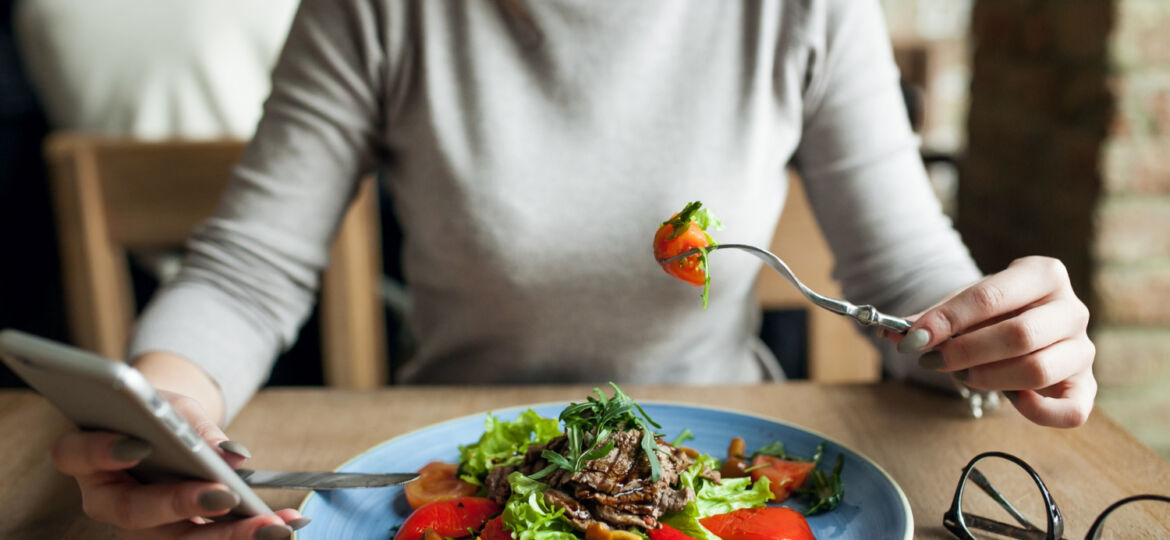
98 461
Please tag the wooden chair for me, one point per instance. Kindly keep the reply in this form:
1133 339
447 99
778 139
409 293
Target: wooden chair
837 352
114 196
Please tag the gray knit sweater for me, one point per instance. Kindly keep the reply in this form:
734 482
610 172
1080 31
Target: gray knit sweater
531 157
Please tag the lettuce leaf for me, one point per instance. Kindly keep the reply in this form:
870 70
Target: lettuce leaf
504 443
732 494
530 517
690 476
713 499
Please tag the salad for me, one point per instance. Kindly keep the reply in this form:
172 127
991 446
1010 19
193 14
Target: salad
601 471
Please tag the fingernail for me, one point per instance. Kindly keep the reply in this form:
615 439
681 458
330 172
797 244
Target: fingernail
298 524
914 341
963 375
273 532
218 500
931 360
129 449
235 448
1012 395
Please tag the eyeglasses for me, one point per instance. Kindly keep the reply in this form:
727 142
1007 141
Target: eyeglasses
1027 501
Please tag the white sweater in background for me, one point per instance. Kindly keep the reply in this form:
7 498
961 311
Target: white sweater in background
153 69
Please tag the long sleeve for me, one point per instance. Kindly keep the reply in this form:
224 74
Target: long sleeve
894 247
252 271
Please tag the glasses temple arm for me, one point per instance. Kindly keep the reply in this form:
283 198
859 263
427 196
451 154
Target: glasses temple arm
1003 529
998 497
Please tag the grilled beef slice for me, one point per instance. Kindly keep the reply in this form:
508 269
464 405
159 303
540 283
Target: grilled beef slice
496 483
615 489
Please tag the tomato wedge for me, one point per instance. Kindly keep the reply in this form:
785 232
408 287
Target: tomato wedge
437 481
763 523
666 532
784 476
494 530
453 518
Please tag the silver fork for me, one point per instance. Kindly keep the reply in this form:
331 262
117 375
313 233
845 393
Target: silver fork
866 315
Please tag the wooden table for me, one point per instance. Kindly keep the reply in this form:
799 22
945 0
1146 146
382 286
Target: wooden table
921 438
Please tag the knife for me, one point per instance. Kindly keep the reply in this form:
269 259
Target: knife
321 480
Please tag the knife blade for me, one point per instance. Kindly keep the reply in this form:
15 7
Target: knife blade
321 480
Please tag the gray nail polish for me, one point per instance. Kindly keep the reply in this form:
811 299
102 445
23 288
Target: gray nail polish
931 360
273 532
1013 395
235 448
129 449
298 524
914 341
218 500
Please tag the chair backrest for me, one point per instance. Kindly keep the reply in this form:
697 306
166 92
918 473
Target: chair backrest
114 196
837 352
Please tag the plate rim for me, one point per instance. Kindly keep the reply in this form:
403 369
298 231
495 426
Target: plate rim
902 498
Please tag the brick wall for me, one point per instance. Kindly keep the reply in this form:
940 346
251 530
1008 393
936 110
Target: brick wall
1069 156
938 29
931 46
1131 250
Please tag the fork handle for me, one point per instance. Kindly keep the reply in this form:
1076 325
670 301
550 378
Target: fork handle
868 315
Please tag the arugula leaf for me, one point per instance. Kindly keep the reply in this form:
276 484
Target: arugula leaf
682 220
588 425
776 449
706 263
650 447
695 212
684 436
504 443
619 394
823 492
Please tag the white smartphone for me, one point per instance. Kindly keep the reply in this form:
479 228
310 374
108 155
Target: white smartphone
97 393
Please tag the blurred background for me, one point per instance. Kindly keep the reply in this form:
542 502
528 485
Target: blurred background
1045 127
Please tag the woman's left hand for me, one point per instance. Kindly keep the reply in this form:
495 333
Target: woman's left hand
1022 331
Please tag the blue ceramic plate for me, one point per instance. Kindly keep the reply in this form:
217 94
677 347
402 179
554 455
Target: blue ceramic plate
874 506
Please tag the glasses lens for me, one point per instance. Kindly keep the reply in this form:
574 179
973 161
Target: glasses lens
1137 518
1002 500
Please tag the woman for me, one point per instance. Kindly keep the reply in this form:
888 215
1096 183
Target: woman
531 150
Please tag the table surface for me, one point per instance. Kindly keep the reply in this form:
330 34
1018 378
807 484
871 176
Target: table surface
922 438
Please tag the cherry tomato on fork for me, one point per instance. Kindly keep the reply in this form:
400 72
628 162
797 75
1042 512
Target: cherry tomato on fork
684 231
437 481
453 518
